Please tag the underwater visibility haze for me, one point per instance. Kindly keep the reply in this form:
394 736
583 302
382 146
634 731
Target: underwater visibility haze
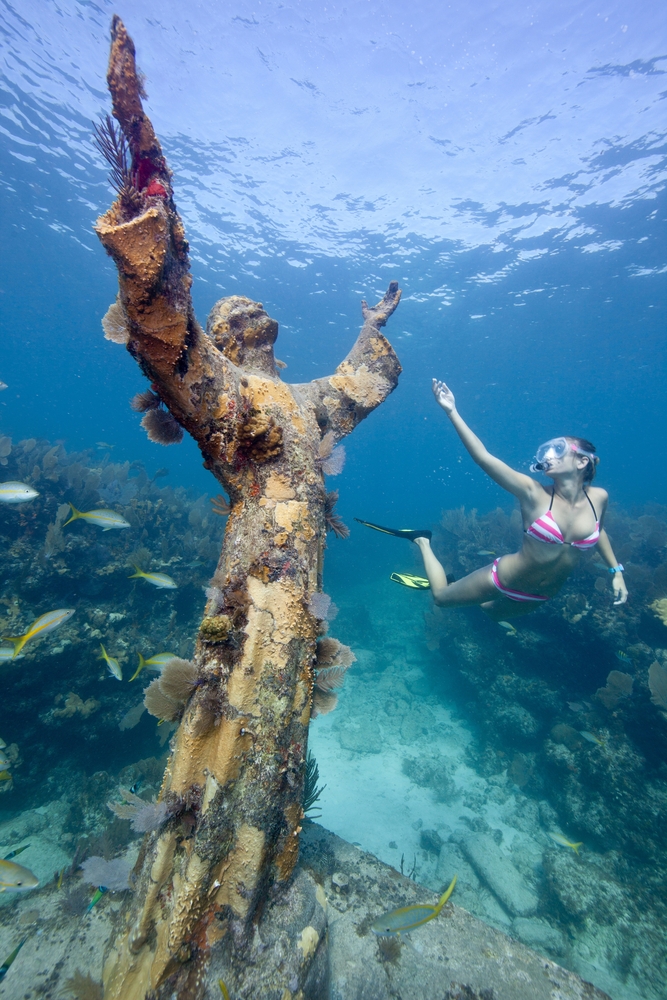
504 164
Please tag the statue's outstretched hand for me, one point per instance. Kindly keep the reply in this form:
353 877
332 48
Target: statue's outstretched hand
378 315
444 396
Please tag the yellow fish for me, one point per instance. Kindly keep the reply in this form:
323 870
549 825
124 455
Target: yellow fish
154 663
16 493
591 738
507 625
105 519
157 579
112 663
5 776
16 878
42 625
406 918
564 842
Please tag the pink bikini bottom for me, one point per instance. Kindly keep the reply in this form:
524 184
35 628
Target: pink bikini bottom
514 595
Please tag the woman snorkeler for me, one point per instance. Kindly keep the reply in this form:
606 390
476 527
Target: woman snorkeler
559 523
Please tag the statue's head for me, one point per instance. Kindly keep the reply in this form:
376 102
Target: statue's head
245 334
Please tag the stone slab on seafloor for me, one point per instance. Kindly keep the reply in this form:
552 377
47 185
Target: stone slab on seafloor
498 872
455 948
289 955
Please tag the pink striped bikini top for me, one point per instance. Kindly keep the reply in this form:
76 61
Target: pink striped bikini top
545 529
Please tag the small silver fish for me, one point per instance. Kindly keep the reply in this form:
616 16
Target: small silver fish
112 663
105 519
506 625
3 385
16 493
486 552
623 657
160 580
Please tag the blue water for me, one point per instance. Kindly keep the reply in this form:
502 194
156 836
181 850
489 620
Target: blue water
504 162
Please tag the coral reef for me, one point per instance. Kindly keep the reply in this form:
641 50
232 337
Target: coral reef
619 685
657 682
60 681
659 607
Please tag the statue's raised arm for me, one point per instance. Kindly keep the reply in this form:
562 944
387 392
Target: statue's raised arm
365 378
227 841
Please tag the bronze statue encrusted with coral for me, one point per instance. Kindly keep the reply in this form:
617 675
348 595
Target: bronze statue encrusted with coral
234 781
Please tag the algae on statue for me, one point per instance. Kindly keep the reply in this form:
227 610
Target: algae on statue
235 776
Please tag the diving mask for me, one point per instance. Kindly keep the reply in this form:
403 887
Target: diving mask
552 451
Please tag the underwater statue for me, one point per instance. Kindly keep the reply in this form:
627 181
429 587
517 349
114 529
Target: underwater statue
233 787
517 583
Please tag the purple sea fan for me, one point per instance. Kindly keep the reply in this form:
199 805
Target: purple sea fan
321 606
150 816
143 815
114 875
144 401
330 678
333 465
162 427
333 521
323 702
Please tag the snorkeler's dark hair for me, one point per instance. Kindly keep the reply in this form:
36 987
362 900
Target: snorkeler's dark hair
586 446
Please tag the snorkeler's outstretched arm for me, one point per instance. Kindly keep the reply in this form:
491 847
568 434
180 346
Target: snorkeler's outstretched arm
364 378
514 482
607 554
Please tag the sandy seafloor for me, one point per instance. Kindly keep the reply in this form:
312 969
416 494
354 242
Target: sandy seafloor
387 713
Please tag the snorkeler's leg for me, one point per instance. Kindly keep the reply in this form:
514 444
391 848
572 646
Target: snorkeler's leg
475 588
432 566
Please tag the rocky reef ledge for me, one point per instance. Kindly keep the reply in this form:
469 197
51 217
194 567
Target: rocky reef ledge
339 889
455 957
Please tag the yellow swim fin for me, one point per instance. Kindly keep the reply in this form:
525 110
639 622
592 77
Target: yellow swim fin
411 581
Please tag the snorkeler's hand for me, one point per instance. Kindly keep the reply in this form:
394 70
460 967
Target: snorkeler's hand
444 397
620 590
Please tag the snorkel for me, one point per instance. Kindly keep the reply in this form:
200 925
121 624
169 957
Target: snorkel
554 450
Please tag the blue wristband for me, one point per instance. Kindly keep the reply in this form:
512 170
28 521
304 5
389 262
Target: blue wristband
616 569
